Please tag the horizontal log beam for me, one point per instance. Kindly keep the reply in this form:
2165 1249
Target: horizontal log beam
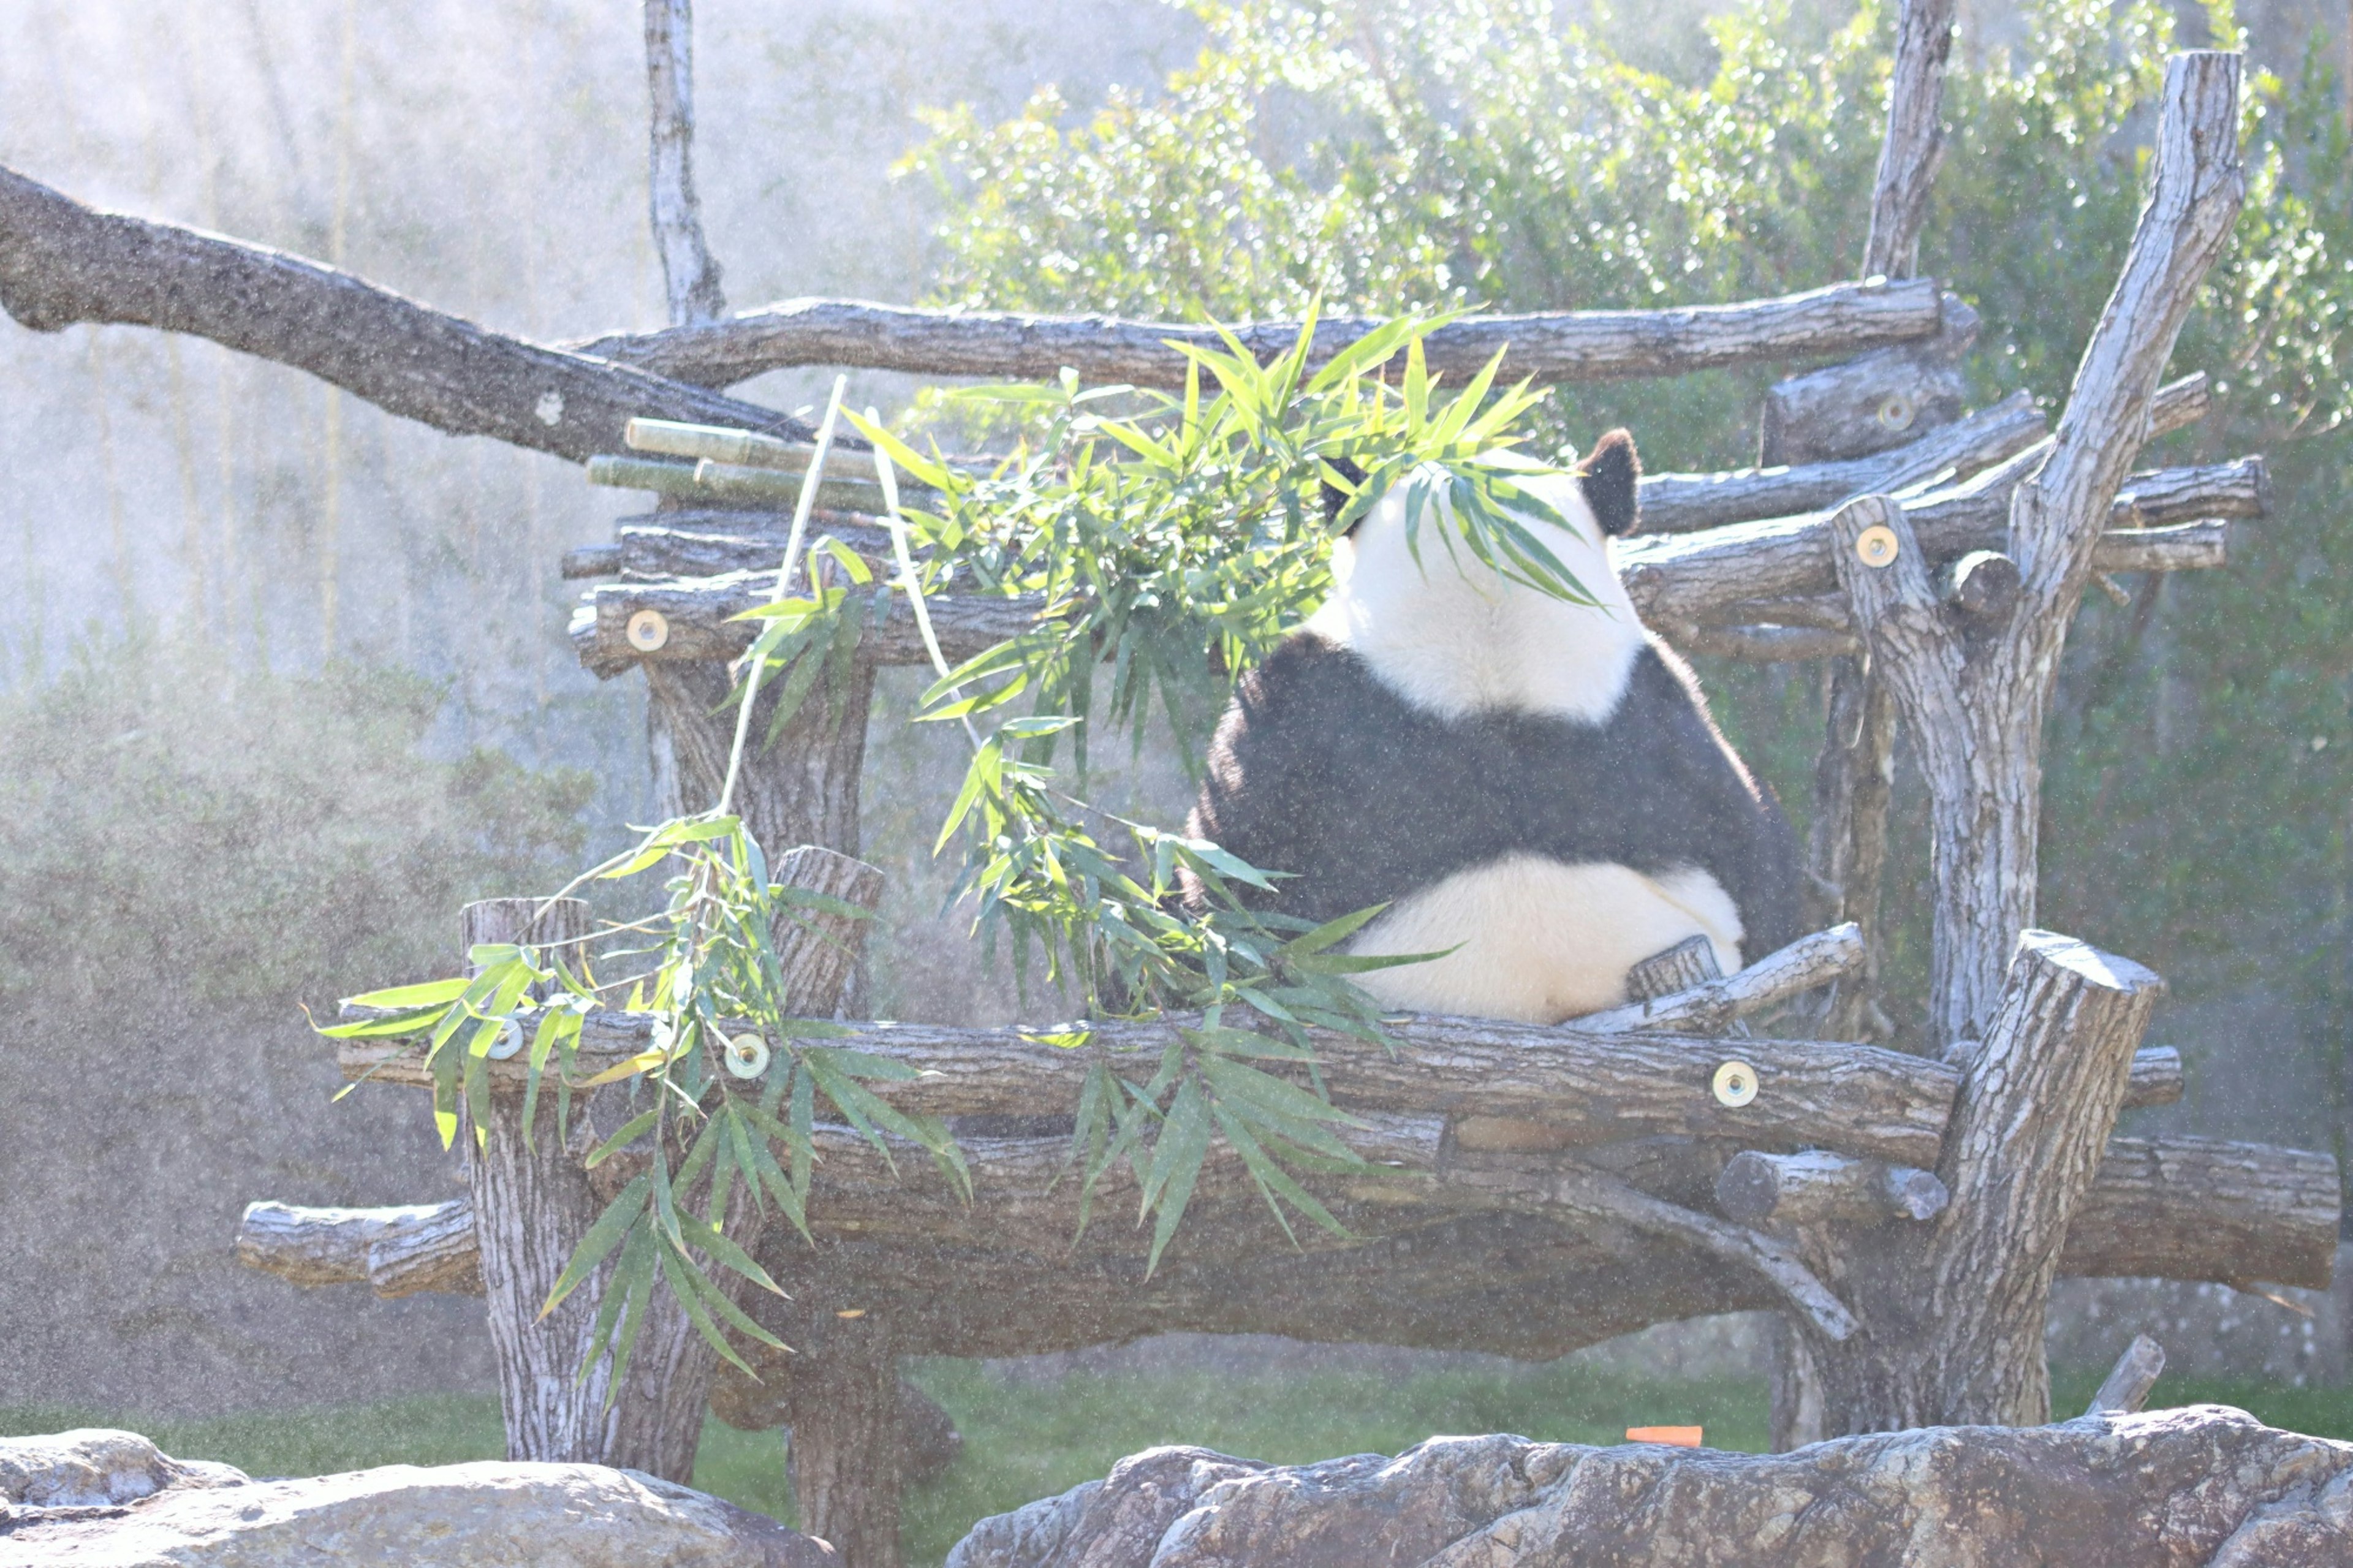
1690 580
1815 1186
1591 1088
2178 1208
62 263
1685 585
2202 1208
399 1251
1686 503
2156 1077
1557 346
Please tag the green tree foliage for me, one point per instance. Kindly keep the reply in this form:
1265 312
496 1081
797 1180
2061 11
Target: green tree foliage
1393 155
173 826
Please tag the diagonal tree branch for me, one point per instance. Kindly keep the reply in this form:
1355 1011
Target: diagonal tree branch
1914 143
62 263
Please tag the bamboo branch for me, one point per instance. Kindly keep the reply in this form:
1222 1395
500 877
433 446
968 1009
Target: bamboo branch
1567 346
63 263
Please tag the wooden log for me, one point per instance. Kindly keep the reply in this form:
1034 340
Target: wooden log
438 1253
2156 1077
2175 1207
1815 1186
1690 580
399 1251
2203 1208
2125 1388
658 552
1685 503
531 1203
698 618
849 1449
1882 399
1593 1087
1556 346
62 263
1982 586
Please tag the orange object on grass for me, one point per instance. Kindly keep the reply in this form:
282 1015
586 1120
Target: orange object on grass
1672 1436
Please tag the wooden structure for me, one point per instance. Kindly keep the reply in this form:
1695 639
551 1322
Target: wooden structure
1905 1213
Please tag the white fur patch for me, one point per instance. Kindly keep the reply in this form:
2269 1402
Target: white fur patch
1453 636
1540 941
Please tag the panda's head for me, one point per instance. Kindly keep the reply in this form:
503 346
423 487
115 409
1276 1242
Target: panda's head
1453 636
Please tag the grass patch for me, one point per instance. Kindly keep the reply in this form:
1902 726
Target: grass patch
1024 1441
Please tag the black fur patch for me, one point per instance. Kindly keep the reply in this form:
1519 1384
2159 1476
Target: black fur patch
1336 499
1609 472
1320 770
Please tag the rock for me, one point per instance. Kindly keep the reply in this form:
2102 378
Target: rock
92 1466
452 1516
2206 1485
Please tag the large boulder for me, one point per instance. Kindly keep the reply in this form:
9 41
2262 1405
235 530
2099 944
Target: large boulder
2207 1486
107 1499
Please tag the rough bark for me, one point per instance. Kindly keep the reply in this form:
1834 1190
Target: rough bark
802 788
1679 580
1883 399
2156 1077
848 1447
690 276
1589 1088
1976 710
1816 1187
1685 503
1954 1310
531 1203
63 263
1846 843
2172 1208
1566 345
1915 142
399 1251
2207 1484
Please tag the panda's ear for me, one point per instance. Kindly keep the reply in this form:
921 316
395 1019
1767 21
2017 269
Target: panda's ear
1607 476
1335 500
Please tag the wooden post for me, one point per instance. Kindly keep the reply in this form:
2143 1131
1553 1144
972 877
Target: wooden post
1846 846
690 276
531 1203
1953 1310
849 1450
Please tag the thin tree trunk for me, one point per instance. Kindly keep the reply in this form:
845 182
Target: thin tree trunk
690 276
843 1403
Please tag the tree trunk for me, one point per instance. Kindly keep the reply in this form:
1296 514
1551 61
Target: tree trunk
843 1403
1953 1310
689 274
531 1205
803 789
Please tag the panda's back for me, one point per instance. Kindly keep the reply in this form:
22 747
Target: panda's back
1552 854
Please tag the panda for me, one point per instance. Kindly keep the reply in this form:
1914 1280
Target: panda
1533 789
